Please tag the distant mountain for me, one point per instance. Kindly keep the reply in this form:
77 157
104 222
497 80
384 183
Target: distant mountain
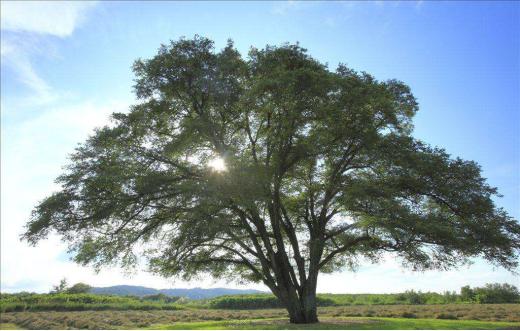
192 293
124 290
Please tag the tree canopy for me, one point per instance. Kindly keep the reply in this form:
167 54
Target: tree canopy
79 288
316 169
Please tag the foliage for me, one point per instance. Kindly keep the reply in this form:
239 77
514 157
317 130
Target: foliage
61 287
257 301
160 297
493 293
79 288
467 294
262 301
321 170
72 302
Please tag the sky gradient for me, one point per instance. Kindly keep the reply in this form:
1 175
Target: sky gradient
66 66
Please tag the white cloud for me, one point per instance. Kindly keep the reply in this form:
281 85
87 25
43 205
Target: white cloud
33 153
16 57
390 277
58 18
25 25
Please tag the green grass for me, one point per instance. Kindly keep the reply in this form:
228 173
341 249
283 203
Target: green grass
8 326
360 323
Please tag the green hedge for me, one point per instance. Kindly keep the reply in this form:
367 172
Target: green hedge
77 302
491 293
258 301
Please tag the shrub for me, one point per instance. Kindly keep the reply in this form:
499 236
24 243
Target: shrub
77 302
78 288
415 298
467 294
497 293
161 298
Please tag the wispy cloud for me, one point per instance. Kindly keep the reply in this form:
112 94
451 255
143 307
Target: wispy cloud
17 58
58 18
24 25
33 153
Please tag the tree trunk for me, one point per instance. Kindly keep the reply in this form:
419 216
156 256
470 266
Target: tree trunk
309 308
306 313
308 300
300 300
302 309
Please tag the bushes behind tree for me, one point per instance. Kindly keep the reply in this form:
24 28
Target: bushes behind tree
490 293
24 301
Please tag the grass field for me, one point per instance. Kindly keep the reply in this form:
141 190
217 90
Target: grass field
457 316
326 323
336 323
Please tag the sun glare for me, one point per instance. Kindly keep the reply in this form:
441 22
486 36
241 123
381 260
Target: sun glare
217 164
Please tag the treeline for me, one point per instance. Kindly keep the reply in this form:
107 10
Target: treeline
83 301
66 300
490 293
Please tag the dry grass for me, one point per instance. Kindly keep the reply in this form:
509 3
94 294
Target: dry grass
125 319
143 319
484 312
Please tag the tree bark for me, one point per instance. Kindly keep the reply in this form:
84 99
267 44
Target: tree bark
309 302
302 306
303 312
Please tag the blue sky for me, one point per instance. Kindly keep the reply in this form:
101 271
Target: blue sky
66 66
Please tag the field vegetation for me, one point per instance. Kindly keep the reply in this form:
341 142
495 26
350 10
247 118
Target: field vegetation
259 301
354 323
64 309
490 293
77 302
84 301
453 316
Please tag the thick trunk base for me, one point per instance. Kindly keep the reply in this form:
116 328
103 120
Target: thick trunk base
302 317
304 320
301 303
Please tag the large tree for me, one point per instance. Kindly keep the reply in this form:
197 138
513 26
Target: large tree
269 169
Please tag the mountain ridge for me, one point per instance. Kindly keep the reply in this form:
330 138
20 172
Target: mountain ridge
191 293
